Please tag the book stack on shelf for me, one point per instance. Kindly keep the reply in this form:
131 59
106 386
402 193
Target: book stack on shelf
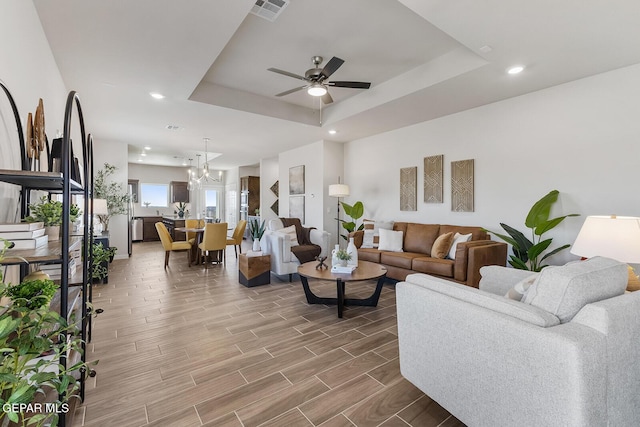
24 235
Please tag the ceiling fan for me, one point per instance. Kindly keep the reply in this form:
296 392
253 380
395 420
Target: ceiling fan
316 78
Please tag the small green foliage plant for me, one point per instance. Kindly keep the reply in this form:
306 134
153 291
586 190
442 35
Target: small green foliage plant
256 229
50 212
101 258
343 255
528 254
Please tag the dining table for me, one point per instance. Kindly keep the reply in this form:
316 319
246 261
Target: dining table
195 250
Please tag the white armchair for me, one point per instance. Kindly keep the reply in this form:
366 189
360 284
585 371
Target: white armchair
566 356
278 245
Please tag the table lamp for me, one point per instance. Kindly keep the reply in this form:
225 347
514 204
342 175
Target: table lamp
338 190
616 237
99 208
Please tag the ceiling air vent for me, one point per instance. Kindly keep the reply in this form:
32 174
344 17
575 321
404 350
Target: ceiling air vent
269 9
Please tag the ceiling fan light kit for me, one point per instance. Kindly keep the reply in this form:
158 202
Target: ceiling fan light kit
316 78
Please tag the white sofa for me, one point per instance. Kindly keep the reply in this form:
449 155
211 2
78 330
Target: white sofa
278 245
569 358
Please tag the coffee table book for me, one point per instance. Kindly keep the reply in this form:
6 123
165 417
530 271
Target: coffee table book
339 269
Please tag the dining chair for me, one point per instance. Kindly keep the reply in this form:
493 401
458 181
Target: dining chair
214 239
193 223
236 237
169 245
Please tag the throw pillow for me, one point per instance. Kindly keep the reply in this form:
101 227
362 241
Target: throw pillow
458 238
390 240
563 291
441 246
520 289
291 232
371 237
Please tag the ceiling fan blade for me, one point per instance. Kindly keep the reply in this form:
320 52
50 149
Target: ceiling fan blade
286 73
326 98
331 67
287 92
352 85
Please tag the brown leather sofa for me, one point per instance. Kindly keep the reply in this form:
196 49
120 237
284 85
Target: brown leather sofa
417 243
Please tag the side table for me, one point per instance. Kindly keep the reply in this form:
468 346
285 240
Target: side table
254 270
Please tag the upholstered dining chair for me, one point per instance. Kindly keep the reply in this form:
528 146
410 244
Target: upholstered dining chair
236 237
214 239
169 245
193 223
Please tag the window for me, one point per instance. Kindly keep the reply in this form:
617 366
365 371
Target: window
155 195
211 203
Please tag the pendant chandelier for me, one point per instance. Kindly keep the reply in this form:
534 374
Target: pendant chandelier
199 176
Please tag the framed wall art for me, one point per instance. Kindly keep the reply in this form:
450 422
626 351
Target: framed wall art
296 180
433 166
408 189
296 207
462 186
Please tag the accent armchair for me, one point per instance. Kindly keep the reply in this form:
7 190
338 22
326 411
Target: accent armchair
277 244
567 355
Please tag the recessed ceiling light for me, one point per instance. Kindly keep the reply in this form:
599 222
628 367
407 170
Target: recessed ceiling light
156 95
173 127
143 154
516 69
139 160
146 147
333 131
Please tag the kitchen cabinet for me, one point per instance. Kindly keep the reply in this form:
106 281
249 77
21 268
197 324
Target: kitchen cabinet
249 196
179 192
149 232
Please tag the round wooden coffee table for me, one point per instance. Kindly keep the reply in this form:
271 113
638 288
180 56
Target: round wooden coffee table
365 271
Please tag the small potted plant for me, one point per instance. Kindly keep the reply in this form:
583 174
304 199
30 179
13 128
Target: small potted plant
101 258
256 230
344 257
181 207
50 212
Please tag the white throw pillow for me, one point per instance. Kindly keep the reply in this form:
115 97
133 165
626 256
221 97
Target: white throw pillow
520 289
458 238
371 237
291 232
390 240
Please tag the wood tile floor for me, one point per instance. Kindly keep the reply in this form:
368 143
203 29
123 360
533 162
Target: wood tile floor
191 346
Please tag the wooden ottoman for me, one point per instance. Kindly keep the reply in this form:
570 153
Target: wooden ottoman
254 270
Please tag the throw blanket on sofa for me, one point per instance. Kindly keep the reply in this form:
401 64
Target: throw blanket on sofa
305 251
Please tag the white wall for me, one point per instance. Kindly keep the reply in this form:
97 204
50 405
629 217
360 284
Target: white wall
333 170
29 70
114 153
581 138
311 157
269 174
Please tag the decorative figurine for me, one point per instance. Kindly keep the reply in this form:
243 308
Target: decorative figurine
321 265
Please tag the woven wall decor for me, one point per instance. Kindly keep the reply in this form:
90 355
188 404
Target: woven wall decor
462 186
433 179
275 207
408 189
275 188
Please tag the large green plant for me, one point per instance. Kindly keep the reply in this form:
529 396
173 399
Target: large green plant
355 212
50 212
528 254
113 192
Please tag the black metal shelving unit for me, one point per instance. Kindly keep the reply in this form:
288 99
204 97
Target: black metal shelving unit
58 252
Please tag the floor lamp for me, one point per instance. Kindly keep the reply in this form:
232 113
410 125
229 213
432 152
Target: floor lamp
338 190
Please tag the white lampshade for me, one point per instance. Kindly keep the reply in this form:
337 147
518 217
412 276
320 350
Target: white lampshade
100 207
616 237
338 190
